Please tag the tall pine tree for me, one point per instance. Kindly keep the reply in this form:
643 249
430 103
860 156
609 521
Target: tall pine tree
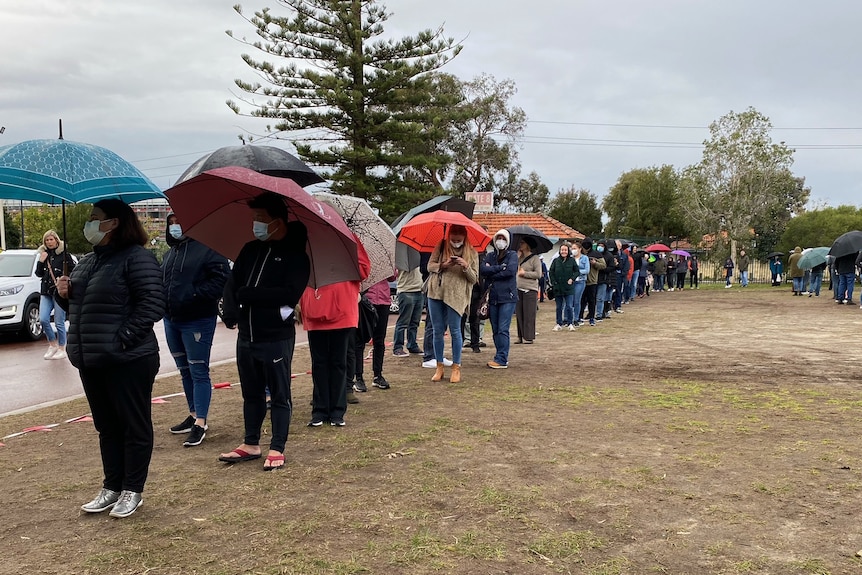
351 94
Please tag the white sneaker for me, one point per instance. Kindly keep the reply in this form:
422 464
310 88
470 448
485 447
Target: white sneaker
728 286
558 327
432 363
52 349
59 355
572 327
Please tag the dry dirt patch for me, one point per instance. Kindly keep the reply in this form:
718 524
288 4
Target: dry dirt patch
709 431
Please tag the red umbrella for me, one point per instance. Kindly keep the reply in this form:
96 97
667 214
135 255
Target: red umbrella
657 248
213 209
425 231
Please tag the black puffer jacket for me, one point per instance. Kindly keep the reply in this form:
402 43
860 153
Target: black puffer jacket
116 297
265 277
194 277
54 262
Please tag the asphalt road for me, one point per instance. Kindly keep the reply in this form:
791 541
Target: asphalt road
27 381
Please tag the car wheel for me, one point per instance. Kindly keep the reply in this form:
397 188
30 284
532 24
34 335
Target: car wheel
32 327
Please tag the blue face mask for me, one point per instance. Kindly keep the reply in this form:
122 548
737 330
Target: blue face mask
176 231
261 231
600 249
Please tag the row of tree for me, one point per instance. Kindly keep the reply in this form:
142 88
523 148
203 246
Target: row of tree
386 124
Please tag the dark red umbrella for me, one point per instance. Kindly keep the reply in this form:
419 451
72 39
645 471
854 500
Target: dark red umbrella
425 231
213 209
657 248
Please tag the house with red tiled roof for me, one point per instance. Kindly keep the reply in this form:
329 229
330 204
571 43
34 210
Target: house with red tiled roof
555 230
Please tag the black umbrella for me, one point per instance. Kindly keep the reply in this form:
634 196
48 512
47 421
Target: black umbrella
267 160
541 243
846 244
771 255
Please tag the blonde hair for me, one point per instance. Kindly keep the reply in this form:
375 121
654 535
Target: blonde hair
51 233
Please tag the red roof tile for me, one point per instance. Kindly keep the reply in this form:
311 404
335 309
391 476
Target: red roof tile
545 224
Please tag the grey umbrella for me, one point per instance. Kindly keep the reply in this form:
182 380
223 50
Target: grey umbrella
267 160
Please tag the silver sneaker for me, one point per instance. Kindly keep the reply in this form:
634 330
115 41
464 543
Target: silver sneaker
127 504
103 501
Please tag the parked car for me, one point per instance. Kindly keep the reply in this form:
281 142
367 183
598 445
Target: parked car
19 293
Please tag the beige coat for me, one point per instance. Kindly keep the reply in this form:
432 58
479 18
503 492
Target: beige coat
532 272
453 285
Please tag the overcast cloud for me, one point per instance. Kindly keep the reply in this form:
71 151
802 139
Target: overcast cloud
149 79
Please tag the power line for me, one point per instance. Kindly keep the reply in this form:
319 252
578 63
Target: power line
675 127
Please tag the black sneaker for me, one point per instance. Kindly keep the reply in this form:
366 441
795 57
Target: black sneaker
183 427
359 385
337 423
351 397
196 436
315 423
380 381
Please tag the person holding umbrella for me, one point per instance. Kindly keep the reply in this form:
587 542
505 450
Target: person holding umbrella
499 269
529 272
453 269
268 279
114 296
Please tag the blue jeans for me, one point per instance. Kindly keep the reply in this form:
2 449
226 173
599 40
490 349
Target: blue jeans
658 284
797 285
190 343
564 309
633 285
443 316
579 295
845 284
409 315
46 304
601 296
816 282
501 318
743 278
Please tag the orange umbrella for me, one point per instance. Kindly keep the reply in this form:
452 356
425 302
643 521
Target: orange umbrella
425 231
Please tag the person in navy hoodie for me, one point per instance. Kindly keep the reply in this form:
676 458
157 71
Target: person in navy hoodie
499 270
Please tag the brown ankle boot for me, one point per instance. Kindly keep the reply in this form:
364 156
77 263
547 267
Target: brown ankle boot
438 375
456 373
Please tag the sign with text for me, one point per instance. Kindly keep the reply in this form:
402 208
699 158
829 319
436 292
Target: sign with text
484 201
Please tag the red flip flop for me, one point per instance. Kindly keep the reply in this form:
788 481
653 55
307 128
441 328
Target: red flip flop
270 459
243 456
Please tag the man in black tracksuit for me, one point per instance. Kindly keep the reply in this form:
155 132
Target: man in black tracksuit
267 281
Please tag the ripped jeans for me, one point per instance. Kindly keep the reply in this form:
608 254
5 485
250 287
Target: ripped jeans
190 343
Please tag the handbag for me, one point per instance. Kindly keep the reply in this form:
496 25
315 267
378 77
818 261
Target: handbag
550 292
483 310
367 319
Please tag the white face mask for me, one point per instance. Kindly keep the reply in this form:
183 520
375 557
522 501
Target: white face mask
92 233
176 231
501 244
261 231
457 244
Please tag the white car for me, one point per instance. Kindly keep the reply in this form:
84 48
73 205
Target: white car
19 293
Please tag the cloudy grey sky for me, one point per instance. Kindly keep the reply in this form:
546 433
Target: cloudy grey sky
607 86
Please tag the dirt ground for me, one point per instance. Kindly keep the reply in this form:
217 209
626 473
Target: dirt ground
708 431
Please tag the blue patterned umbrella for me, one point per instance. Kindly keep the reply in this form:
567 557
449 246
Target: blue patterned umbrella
57 171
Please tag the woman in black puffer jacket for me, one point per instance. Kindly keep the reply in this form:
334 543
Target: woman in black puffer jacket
114 296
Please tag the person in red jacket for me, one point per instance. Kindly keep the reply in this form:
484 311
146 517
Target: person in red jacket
330 315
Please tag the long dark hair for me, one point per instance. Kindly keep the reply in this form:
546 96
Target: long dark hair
129 229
